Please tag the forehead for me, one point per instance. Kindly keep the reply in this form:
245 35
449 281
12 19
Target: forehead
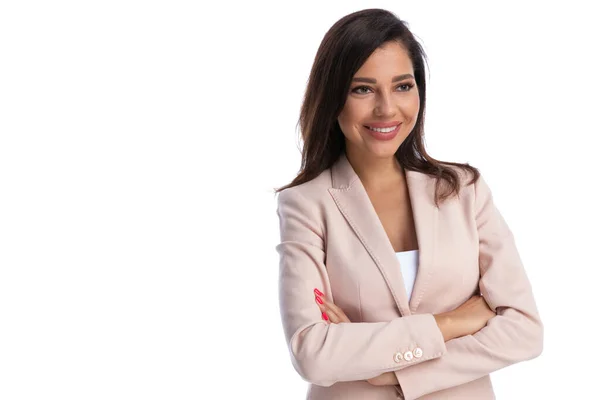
388 60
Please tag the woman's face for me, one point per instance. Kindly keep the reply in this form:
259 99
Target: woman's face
383 92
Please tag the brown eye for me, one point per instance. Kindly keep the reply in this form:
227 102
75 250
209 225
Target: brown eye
408 85
356 89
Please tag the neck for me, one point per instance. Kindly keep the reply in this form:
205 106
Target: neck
375 173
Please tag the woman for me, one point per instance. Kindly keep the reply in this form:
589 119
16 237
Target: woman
399 278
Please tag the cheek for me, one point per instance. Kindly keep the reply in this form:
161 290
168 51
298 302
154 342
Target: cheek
343 122
350 116
414 105
354 110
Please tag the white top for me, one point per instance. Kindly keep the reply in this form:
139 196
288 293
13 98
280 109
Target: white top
409 261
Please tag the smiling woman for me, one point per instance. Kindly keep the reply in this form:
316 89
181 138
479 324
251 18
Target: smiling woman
384 291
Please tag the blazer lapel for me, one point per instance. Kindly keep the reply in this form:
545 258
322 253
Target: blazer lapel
421 190
354 203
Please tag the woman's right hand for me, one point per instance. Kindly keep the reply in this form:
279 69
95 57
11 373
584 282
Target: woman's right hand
466 319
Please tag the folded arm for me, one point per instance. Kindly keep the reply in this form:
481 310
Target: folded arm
514 335
324 353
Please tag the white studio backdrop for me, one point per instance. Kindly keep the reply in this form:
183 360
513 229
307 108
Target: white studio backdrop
140 142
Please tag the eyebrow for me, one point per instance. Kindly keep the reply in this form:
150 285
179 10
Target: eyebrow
373 80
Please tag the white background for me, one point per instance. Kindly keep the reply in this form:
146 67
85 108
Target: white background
140 143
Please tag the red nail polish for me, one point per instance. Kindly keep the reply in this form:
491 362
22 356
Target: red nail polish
318 299
324 316
318 292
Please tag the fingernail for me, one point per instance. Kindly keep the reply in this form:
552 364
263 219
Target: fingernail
324 316
318 292
318 299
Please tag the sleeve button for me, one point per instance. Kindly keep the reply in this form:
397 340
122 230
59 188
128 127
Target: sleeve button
408 356
398 357
418 353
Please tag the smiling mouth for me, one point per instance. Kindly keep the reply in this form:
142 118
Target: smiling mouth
382 130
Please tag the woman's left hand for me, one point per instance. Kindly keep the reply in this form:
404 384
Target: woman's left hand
330 312
334 315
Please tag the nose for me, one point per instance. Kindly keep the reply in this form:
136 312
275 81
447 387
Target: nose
384 106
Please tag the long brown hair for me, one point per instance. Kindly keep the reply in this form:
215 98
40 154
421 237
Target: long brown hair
344 48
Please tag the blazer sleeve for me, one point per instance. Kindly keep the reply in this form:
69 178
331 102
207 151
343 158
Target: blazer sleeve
515 334
324 353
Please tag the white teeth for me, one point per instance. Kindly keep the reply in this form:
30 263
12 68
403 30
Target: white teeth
384 130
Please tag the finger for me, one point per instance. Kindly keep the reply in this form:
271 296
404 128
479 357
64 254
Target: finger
323 309
335 312
335 308
338 311
331 316
334 319
327 315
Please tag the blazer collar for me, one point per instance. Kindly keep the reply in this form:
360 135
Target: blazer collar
354 203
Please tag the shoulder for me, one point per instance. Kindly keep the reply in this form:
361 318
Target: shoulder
465 175
312 191
470 183
474 193
306 202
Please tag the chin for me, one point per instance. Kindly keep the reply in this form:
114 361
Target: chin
384 148
387 151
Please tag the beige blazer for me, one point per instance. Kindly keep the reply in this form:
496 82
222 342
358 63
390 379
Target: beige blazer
333 240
